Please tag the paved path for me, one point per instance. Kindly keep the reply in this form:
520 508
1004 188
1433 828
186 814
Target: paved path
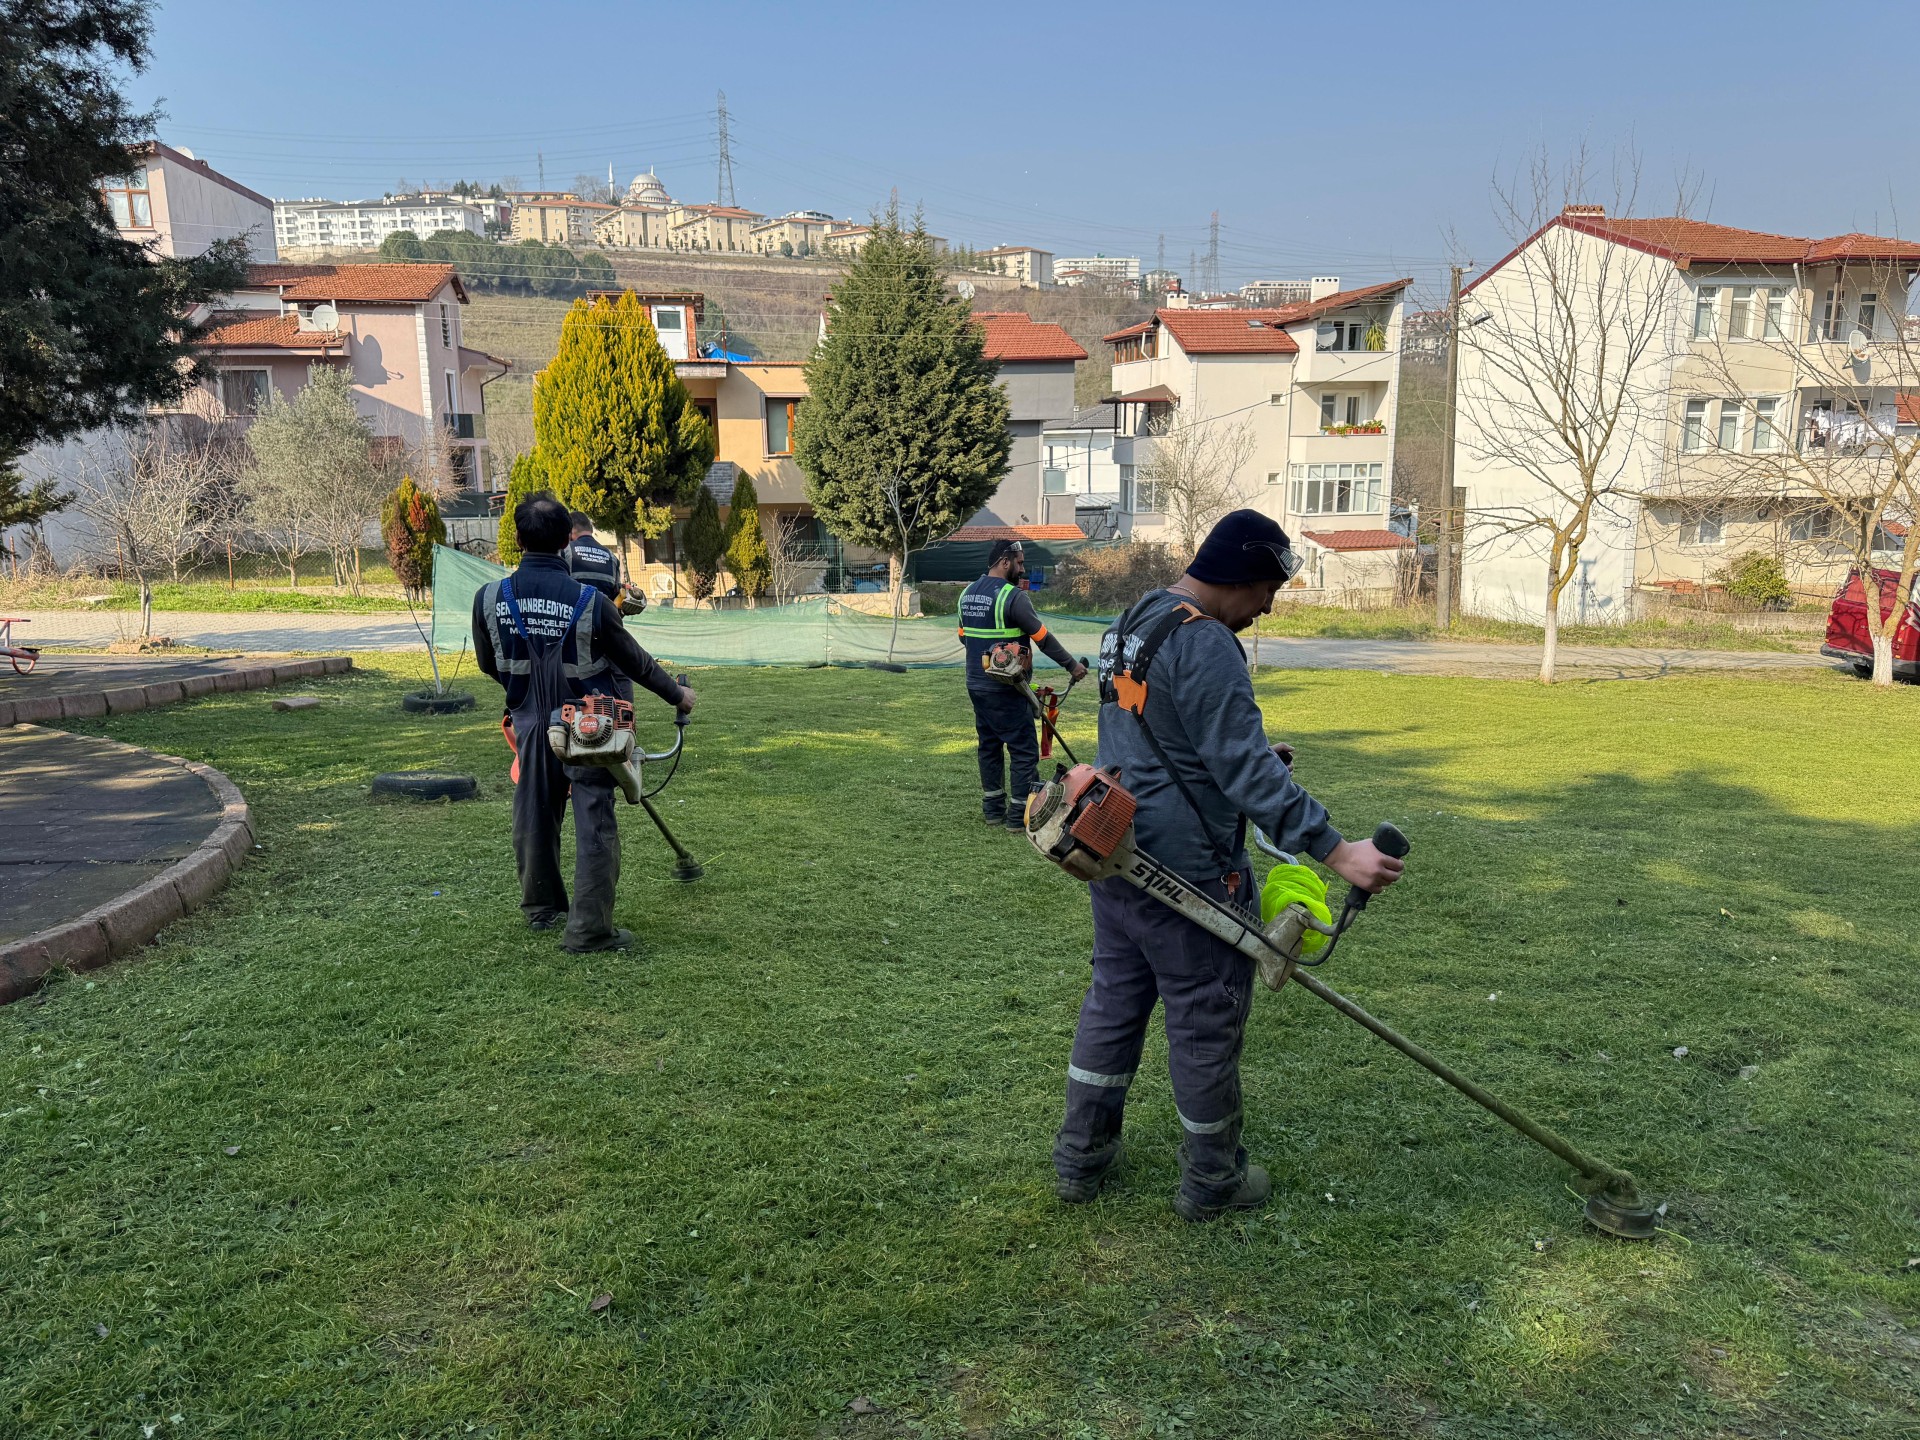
1433 657
266 631
80 823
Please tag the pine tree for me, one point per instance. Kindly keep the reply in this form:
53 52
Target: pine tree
704 543
410 524
905 431
528 477
748 559
615 429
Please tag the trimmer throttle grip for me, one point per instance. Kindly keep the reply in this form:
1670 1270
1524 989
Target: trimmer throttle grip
1388 840
681 717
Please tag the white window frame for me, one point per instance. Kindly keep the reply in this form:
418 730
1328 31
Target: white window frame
1767 434
1706 306
220 389
1867 310
1695 531
1319 487
1773 309
1740 313
453 396
1729 418
1693 427
446 326
788 408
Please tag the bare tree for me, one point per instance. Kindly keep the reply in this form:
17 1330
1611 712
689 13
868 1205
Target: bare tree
1190 469
155 496
1561 376
790 555
315 478
1811 380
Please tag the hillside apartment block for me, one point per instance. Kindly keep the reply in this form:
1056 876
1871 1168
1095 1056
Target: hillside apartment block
1770 346
1315 385
363 224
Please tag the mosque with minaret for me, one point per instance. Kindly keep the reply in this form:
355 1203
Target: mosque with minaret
648 218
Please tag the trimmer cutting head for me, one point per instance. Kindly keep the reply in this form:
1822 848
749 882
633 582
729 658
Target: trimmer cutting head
1624 1215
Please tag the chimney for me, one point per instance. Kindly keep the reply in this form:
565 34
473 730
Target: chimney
1585 212
1321 286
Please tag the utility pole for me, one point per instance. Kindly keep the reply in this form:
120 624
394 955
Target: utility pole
540 159
1443 585
1213 254
1160 258
723 189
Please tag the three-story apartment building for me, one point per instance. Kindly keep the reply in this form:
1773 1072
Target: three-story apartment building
1315 385
1771 360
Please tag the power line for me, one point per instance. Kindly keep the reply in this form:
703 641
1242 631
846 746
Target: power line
723 190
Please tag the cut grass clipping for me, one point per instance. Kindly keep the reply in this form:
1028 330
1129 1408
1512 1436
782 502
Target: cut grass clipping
353 1153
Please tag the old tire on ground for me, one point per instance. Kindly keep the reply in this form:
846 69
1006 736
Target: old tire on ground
425 702
425 785
1863 669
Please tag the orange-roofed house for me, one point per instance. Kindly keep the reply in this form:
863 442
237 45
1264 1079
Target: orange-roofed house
394 328
1772 352
1036 360
1314 384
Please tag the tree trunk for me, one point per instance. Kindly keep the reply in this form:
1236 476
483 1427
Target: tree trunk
1550 647
146 612
356 570
1883 655
896 580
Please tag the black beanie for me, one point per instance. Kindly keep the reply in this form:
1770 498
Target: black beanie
1243 548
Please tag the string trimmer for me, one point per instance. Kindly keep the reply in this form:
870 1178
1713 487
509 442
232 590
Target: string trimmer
1007 663
1082 820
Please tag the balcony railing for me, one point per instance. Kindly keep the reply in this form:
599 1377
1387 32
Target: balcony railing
464 425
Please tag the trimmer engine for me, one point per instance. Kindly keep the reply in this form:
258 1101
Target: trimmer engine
1081 821
598 730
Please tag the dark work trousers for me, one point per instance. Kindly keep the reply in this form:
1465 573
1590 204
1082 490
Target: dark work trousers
1145 951
1003 723
539 804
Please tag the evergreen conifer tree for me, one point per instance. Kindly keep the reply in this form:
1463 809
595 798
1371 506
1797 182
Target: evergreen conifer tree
615 429
748 559
704 542
410 524
904 434
528 477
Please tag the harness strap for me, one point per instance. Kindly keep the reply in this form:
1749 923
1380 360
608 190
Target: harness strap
520 624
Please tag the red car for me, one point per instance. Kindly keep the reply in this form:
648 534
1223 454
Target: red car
1847 637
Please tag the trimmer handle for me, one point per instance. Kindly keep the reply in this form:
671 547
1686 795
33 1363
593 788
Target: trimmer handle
1388 840
680 717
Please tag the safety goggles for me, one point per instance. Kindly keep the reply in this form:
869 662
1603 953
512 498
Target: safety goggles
1285 556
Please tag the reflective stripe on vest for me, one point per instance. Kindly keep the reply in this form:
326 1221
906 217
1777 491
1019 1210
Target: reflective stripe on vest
999 630
585 663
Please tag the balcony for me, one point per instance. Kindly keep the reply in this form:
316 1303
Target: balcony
464 425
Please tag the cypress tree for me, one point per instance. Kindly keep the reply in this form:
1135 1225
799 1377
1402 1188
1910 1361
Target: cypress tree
615 429
748 559
410 523
905 427
704 543
527 477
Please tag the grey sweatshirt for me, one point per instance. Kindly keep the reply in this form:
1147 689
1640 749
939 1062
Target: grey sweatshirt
1201 707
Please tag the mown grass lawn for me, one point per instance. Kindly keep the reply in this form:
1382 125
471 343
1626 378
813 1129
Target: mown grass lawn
802 1140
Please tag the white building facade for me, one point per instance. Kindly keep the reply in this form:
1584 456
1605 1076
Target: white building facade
176 204
363 224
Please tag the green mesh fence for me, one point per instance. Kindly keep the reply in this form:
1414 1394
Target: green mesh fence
809 632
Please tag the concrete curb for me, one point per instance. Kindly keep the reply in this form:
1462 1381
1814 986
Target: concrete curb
89 705
132 918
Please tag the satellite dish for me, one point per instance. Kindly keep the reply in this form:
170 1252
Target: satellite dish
1857 342
325 317
965 287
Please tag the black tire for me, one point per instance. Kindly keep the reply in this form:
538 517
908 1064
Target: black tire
1863 668
426 785
425 702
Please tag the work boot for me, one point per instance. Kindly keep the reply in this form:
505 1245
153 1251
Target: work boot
543 922
995 818
1255 1187
619 940
1081 1189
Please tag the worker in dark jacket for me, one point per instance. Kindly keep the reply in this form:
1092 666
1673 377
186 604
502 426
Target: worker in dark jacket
589 561
1196 756
995 610
548 638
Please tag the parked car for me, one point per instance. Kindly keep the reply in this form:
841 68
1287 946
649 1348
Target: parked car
1847 637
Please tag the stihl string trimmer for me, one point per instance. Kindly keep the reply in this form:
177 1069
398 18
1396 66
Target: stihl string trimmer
1082 820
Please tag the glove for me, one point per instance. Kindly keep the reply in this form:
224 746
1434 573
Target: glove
631 601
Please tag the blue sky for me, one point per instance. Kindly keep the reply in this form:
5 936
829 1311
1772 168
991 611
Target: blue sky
1332 139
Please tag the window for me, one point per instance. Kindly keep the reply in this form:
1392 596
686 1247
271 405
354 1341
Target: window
1776 314
1707 529
1705 304
1276 399
1740 319
446 328
1149 496
130 201
669 318
453 404
1766 430
1830 317
1336 489
1126 488
1274 477
1869 309
243 392
710 412
1328 403
780 417
1353 409
1693 431
1810 525
1729 437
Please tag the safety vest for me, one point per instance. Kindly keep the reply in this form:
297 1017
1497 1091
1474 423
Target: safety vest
591 563
579 660
983 623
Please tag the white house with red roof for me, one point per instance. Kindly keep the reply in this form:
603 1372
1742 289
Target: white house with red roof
1315 385
176 204
1756 345
394 328
1037 360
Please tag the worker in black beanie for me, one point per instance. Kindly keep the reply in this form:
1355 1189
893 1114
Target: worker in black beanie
1182 726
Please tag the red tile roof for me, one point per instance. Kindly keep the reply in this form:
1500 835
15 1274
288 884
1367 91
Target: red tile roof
1039 534
241 330
1252 331
1906 408
1014 335
1696 242
1358 539
380 284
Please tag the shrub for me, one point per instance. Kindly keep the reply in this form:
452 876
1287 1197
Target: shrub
940 598
1107 580
528 477
747 556
704 544
410 524
1758 578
